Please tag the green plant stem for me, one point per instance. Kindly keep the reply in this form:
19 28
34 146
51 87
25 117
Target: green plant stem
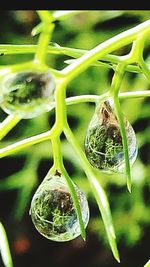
26 143
45 16
96 98
145 69
147 264
4 248
117 79
108 60
110 65
124 141
98 191
45 36
102 49
114 90
137 54
61 120
7 124
75 202
61 113
57 153
69 101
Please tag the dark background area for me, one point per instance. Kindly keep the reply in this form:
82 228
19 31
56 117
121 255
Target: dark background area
21 173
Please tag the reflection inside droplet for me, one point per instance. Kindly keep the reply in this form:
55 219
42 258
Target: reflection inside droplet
103 142
27 93
53 212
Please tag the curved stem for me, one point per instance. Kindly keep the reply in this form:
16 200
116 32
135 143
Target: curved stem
116 82
4 248
124 141
76 202
147 264
102 49
96 98
69 101
98 191
117 79
109 60
145 69
60 122
10 149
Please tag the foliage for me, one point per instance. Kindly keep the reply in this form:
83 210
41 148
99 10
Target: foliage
98 26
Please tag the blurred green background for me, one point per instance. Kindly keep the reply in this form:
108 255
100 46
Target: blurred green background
22 172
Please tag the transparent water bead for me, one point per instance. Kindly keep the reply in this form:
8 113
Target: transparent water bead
27 93
52 210
103 142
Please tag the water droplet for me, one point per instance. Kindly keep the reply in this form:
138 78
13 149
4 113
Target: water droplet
27 93
52 210
103 142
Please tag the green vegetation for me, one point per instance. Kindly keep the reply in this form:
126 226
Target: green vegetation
117 68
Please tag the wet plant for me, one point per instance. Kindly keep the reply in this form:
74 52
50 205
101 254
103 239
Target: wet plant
103 142
59 208
52 209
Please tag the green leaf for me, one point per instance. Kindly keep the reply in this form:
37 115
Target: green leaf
147 264
76 202
97 190
124 141
103 204
4 248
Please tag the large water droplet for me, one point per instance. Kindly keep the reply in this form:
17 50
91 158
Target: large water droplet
103 142
27 93
52 210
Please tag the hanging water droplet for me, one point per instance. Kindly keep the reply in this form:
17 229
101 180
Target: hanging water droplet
52 210
27 93
103 142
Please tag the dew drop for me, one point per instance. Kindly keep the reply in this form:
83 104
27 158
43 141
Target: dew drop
103 142
52 210
27 93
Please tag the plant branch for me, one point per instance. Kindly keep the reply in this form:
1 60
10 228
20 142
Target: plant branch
45 36
27 142
98 192
114 90
8 124
4 248
69 101
102 49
